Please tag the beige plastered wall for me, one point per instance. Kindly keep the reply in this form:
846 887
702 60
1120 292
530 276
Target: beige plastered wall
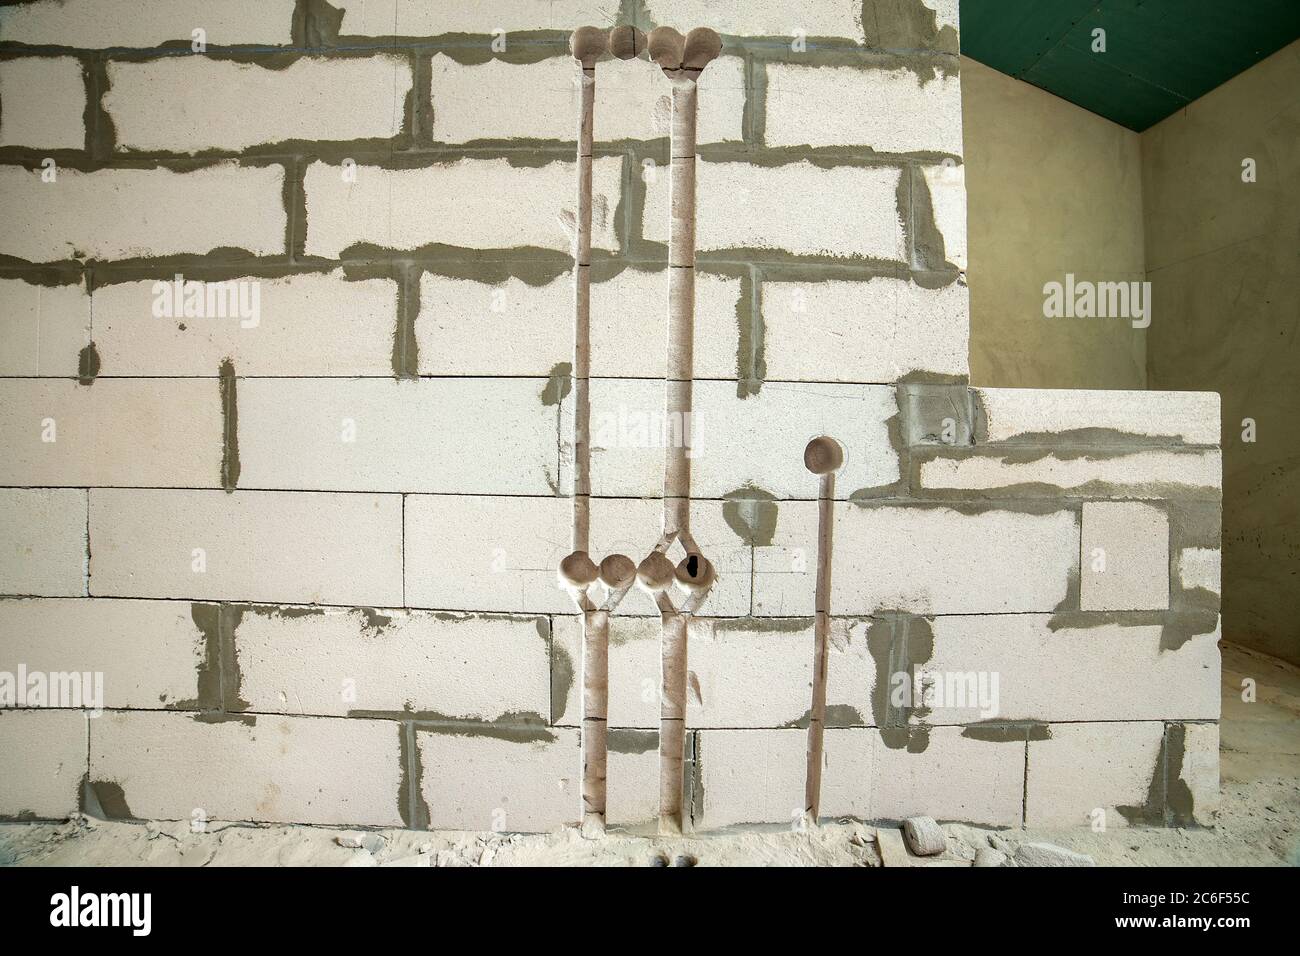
1223 257
1053 189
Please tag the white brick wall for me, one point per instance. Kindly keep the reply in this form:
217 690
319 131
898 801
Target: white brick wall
133 213
332 662
417 18
389 435
98 24
126 432
42 762
892 110
149 652
192 104
876 331
173 767
43 542
476 203
498 100
42 328
265 546
306 324
797 208
388 559
44 102
728 661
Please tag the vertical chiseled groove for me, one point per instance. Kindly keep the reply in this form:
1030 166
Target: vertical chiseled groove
677 464
822 457
587 44
681 306
682 59
595 718
582 309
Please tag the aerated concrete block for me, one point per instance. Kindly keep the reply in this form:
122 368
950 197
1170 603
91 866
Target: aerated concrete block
1096 774
136 213
1040 668
184 104
45 101
499 100
293 547
42 762
350 331
150 654
160 766
99 24
522 780
44 328
339 662
1029 415
1124 557
43 542
129 432
383 434
456 204
937 560
842 211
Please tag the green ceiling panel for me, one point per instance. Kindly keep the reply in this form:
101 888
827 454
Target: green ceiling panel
1011 36
1160 54
1110 92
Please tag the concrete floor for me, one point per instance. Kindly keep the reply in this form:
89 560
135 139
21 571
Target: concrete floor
1258 822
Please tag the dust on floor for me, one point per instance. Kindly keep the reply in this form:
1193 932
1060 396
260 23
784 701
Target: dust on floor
1258 823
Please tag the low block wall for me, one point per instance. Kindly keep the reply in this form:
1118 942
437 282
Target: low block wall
1038 620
